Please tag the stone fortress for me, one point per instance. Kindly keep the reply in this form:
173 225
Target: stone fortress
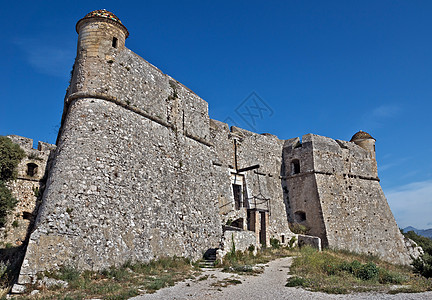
140 171
26 187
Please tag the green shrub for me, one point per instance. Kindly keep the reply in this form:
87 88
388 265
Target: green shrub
423 264
7 203
296 281
292 241
298 228
10 156
385 277
367 271
15 224
275 243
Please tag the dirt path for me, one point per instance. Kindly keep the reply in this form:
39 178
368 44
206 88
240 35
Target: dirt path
268 285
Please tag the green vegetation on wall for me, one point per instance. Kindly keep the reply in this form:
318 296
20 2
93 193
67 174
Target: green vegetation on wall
10 156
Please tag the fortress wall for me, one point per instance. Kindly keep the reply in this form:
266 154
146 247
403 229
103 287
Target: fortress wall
355 212
136 83
224 157
341 157
25 188
357 217
338 189
265 150
252 149
142 191
302 189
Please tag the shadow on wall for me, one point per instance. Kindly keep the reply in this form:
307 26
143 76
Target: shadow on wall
285 190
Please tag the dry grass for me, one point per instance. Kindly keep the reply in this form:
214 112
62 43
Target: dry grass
245 262
123 282
341 272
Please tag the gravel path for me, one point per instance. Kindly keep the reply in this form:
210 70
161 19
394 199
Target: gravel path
268 285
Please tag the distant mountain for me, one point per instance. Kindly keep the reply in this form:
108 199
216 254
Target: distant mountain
422 232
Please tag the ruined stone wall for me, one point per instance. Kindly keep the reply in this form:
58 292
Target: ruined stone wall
25 188
347 198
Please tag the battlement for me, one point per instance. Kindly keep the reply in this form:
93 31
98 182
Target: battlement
319 154
32 166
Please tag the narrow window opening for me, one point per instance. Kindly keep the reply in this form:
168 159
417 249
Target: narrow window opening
237 191
114 42
299 216
295 167
32 169
283 239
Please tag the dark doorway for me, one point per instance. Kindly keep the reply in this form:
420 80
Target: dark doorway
237 190
263 231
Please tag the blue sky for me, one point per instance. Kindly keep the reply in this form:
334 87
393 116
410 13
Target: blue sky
324 67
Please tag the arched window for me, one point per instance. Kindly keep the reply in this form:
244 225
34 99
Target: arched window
114 42
32 169
299 216
295 166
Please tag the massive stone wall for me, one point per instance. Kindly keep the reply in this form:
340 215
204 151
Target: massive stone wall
338 189
142 191
133 177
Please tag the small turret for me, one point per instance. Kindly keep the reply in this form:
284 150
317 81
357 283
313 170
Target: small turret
366 141
100 32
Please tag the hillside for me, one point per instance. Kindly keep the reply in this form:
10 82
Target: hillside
422 232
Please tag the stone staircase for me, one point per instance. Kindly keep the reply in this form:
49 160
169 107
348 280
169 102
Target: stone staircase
209 259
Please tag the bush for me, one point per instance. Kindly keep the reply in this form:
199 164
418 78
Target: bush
275 243
423 264
298 228
291 242
296 281
7 203
367 271
10 156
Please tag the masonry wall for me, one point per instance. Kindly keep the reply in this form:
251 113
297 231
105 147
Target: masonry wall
302 191
354 212
133 177
25 189
266 181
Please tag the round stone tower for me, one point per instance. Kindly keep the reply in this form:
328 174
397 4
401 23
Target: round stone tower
100 32
366 141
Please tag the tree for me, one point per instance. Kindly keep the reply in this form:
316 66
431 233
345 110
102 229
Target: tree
10 156
423 264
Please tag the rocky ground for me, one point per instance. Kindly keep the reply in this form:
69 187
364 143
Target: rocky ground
214 284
